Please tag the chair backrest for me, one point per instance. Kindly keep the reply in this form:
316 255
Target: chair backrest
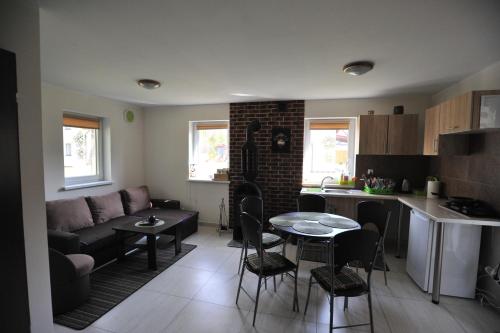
253 205
311 203
252 231
355 245
373 215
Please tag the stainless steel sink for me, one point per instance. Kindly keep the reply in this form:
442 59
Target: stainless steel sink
336 191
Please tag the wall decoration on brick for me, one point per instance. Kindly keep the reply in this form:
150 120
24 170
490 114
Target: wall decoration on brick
280 140
280 175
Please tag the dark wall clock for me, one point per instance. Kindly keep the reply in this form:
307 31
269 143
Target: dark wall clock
281 138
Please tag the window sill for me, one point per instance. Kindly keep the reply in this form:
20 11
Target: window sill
86 185
208 181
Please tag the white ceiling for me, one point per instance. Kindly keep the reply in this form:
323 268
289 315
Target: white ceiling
202 51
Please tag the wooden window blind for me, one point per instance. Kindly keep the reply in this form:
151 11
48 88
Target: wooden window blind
211 126
72 121
329 126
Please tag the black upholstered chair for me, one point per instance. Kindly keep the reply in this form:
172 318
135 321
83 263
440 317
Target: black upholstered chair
311 203
264 264
69 279
373 215
339 280
253 205
313 250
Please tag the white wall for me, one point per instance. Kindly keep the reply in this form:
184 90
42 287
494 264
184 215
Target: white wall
414 104
486 79
126 140
20 34
166 133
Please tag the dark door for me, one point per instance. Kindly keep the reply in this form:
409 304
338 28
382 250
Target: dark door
14 288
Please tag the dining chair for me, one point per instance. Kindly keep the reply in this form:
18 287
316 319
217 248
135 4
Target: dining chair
338 279
253 205
263 264
311 203
312 250
373 215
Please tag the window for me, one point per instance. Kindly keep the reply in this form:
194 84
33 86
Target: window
67 149
82 150
209 148
328 148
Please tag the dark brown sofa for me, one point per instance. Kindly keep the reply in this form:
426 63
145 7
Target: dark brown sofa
85 225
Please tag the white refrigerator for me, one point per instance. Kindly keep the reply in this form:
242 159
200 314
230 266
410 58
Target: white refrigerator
460 256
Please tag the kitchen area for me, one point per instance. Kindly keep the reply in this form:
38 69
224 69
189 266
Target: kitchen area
443 194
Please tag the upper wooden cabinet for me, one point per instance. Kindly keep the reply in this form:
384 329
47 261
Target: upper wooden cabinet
373 134
431 132
388 134
455 115
402 136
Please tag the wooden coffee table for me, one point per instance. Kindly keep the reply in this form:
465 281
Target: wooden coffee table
151 233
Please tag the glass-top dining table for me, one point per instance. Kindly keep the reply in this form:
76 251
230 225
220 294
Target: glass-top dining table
311 226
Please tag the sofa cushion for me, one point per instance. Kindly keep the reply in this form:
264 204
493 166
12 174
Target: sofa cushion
102 235
136 199
105 207
68 214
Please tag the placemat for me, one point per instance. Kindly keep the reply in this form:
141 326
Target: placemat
312 228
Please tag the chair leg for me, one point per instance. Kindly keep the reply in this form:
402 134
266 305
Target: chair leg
295 294
265 283
346 303
308 294
370 310
284 255
274 281
257 300
241 259
385 265
239 285
331 311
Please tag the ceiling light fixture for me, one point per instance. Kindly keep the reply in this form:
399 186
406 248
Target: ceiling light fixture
358 67
241 94
149 84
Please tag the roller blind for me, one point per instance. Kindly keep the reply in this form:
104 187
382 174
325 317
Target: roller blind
329 126
72 121
211 126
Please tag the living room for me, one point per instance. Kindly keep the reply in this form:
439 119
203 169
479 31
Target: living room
169 110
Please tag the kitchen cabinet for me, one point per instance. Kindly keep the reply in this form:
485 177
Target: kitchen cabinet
373 130
345 206
431 132
455 114
402 135
452 116
388 135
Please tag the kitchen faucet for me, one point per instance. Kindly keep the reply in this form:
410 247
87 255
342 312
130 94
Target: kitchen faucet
323 181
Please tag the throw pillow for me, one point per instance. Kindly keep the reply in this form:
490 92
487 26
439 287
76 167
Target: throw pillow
105 207
68 214
136 199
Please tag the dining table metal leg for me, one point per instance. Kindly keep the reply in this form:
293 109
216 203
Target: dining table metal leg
438 263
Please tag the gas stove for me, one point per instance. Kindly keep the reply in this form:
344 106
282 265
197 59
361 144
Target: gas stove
469 207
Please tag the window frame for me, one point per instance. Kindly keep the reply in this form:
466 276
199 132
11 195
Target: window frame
99 177
193 139
351 146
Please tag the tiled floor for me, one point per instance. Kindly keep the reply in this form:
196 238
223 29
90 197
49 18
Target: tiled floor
198 294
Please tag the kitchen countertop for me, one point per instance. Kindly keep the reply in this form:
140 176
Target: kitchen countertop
429 207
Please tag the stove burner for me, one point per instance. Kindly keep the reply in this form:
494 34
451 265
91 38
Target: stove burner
470 207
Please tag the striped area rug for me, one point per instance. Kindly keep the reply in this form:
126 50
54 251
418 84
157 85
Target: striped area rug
113 283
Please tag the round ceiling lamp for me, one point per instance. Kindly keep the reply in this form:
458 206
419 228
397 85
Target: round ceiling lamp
358 67
149 84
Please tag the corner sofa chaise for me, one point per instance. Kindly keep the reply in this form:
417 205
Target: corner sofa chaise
85 225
